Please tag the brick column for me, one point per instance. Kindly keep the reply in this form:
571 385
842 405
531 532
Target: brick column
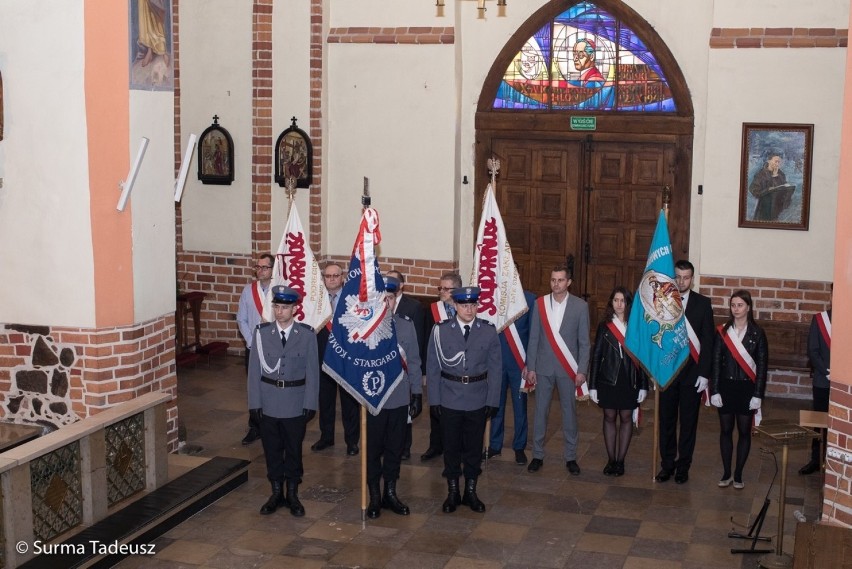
261 175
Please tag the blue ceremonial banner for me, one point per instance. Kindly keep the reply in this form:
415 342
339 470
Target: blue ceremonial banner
362 354
656 332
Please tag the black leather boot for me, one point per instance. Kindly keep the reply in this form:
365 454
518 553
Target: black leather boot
391 501
470 498
292 499
374 509
277 499
453 496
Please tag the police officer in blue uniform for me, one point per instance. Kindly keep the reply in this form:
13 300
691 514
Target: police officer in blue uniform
386 431
283 392
463 374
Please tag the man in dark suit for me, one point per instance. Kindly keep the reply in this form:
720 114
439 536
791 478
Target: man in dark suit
463 371
681 401
349 409
406 306
819 354
440 311
512 384
546 363
283 387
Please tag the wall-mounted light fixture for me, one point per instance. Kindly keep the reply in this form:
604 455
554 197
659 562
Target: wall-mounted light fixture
480 5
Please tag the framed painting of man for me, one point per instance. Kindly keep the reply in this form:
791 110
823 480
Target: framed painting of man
215 155
294 157
775 176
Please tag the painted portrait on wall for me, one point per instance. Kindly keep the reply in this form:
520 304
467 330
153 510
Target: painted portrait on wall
151 62
775 175
216 155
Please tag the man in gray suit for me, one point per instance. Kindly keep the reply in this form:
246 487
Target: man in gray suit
283 389
463 374
560 361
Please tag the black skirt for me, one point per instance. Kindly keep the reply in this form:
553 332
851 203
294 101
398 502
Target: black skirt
736 395
622 395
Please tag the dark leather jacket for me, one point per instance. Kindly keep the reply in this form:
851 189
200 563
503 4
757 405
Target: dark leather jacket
726 368
607 361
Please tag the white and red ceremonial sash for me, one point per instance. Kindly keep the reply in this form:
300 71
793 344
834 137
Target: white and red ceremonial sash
743 359
694 343
257 294
618 330
296 267
824 324
439 312
513 339
403 358
557 344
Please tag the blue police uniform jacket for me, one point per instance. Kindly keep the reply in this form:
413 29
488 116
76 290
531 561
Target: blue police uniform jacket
298 360
449 352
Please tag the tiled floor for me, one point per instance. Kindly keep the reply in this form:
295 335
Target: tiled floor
547 519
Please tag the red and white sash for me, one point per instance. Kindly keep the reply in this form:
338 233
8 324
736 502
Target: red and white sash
619 329
824 322
557 344
694 343
439 312
743 359
257 294
513 339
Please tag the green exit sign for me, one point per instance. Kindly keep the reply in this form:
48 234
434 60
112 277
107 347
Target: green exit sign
584 123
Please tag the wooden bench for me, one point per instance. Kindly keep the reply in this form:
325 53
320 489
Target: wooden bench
142 521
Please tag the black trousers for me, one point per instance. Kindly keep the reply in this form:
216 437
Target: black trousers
821 396
679 403
349 411
462 437
282 447
385 440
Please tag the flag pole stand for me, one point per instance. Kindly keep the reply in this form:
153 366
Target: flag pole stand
656 430
363 466
365 203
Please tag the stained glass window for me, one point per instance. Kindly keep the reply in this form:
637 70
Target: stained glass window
585 59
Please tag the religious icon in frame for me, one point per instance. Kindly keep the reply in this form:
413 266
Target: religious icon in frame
294 157
216 155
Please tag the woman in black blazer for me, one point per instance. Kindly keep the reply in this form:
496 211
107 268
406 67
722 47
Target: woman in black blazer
616 384
738 383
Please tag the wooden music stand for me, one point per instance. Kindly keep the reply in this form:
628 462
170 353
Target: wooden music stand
783 433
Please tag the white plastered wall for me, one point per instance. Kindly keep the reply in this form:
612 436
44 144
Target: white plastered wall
215 79
46 263
152 201
772 86
291 77
392 116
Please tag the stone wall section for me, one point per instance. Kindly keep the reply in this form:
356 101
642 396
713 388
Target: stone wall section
837 501
55 375
738 38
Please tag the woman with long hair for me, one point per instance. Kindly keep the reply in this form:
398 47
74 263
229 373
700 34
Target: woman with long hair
616 384
738 382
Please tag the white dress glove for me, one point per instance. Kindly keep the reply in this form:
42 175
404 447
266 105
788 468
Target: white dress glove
593 395
643 393
700 384
754 403
716 400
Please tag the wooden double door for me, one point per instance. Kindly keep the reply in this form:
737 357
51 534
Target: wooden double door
596 200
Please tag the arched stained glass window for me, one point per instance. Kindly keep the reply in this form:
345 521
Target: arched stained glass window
585 59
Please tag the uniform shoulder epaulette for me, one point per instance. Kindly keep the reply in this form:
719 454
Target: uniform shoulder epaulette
303 325
265 324
404 316
484 321
445 322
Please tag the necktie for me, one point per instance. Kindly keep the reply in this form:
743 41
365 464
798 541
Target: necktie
333 301
466 331
451 311
283 340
